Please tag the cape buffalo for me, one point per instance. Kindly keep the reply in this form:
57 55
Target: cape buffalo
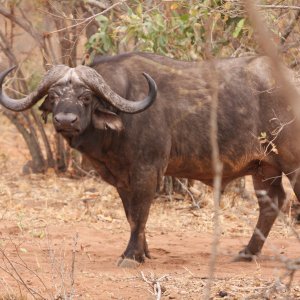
133 143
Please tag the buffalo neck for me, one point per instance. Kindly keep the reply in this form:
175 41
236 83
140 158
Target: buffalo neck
94 142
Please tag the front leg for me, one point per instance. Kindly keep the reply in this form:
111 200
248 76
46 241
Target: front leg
137 201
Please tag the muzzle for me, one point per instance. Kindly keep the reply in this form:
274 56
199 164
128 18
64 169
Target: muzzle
66 123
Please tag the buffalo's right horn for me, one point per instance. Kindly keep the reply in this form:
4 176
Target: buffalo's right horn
97 83
53 75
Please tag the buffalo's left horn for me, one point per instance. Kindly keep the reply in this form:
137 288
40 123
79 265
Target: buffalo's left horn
54 74
96 83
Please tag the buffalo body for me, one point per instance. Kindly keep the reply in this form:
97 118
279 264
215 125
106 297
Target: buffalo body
258 134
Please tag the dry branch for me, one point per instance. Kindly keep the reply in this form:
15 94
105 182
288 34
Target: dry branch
269 48
271 6
88 20
216 163
290 28
190 193
98 4
154 283
72 273
26 26
10 268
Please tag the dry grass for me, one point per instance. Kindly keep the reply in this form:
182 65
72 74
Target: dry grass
12 297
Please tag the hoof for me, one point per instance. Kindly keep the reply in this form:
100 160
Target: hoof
127 263
244 255
148 255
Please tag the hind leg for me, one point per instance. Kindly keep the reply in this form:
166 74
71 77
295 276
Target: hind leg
294 178
270 194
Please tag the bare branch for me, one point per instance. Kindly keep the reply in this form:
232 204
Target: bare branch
24 25
154 283
270 6
264 40
75 240
195 204
16 275
290 28
89 19
216 163
98 4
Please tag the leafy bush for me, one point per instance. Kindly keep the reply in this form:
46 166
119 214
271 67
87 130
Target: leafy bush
175 29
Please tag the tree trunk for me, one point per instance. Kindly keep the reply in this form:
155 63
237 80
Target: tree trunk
37 165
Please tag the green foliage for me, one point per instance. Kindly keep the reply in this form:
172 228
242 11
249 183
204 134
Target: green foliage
176 29
238 28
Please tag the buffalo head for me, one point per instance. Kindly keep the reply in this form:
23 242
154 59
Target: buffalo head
78 97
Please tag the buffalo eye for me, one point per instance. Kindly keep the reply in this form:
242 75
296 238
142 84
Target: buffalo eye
85 98
52 97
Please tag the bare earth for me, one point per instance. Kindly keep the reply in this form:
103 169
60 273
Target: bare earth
61 237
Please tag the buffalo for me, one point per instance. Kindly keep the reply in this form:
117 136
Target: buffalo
134 137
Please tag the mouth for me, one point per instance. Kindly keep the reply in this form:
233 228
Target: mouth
68 132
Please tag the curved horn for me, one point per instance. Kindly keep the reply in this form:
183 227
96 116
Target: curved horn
50 78
96 82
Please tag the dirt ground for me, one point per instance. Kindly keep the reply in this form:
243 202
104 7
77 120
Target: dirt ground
60 238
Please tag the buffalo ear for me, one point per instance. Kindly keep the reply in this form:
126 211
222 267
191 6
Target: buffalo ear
46 108
103 119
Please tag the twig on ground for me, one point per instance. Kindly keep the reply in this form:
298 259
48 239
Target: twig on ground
75 241
24 265
11 270
154 283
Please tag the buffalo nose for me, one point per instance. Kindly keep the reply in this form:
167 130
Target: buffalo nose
65 119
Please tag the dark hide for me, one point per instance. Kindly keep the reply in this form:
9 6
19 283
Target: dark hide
172 137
